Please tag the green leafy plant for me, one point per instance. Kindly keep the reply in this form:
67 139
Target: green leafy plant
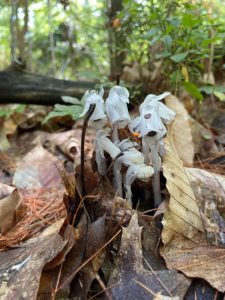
74 110
8 111
215 90
178 33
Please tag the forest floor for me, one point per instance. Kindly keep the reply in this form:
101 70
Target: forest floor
56 244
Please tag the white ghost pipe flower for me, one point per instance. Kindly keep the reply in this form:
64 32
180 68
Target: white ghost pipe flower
116 109
140 171
98 116
129 158
126 144
149 121
154 144
151 128
167 115
103 144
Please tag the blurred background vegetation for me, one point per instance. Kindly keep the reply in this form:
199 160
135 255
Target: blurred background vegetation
157 44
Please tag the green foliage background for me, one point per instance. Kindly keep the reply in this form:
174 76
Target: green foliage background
179 33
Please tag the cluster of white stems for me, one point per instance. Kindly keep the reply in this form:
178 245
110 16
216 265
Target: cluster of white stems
141 163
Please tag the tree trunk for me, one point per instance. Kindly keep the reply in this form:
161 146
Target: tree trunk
117 40
18 32
17 86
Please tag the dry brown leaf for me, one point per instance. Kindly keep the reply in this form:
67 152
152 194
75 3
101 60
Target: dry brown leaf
21 267
38 169
95 240
130 280
185 246
70 235
183 215
209 189
197 261
181 131
10 201
75 256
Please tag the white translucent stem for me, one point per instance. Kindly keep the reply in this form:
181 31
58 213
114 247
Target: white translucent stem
129 179
101 163
146 151
118 176
115 135
156 166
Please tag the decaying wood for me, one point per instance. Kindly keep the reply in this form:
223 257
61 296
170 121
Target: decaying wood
18 86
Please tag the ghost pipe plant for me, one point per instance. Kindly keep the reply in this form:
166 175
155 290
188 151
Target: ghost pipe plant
151 128
126 145
93 111
116 109
129 158
98 117
142 172
103 144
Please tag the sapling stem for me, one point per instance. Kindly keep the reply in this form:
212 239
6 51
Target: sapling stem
86 119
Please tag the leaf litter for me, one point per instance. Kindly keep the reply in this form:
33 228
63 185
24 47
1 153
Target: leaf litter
75 248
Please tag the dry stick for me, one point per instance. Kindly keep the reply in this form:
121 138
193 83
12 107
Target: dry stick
103 291
101 283
87 117
157 277
87 261
146 288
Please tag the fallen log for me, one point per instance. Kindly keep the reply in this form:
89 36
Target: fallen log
18 86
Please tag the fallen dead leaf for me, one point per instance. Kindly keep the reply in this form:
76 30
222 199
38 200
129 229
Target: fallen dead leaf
181 131
74 258
197 261
21 267
209 189
39 209
185 246
10 201
183 215
37 169
95 240
130 280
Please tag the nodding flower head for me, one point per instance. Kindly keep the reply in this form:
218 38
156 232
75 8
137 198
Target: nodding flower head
116 106
104 144
148 122
94 97
126 145
152 116
152 103
142 172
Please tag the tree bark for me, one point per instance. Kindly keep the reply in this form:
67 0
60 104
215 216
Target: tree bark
17 86
116 40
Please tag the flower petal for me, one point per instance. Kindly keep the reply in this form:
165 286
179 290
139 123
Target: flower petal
166 114
116 106
104 144
93 97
